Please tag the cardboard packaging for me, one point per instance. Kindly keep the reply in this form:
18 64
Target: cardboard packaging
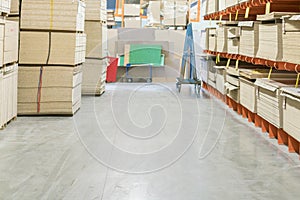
94 40
221 79
212 6
233 40
132 10
211 39
5 6
248 92
132 22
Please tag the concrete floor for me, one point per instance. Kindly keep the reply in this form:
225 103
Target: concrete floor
145 142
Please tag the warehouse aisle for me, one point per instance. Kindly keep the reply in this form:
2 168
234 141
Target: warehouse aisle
144 142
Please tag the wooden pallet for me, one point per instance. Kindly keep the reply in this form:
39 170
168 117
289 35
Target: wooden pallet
7 123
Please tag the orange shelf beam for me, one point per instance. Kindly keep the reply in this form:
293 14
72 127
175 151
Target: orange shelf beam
279 65
257 7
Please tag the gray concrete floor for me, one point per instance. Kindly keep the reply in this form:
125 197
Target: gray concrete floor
145 142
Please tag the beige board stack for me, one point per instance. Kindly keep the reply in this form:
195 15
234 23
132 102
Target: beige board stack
269 101
94 69
52 50
222 36
211 39
175 12
249 38
270 40
291 35
233 40
9 36
291 111
221 79
248 89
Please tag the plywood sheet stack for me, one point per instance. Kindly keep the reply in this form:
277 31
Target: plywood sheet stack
270 35
211 39
233 40
9 36
221 79
94 69
269 101
52 50
291 35
291 111
249 38
222 39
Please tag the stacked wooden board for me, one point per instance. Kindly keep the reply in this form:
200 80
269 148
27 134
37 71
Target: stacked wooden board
9 36
270 35
291 111
249 38
291 35
222 36
94 69
233 40
269 101
52 51
211 39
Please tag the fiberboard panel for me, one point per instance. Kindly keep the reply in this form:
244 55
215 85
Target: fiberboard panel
63 15
249 39
248 94
270 35
291 111
11 42
65 48
94 40
269 101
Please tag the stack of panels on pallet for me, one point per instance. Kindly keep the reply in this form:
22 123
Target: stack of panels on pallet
233 40
249 38
94 68
270 41
269 101
211 39
291 35
58 93
207 62
52 50
291 111
94 77
62 15
222 35
212 6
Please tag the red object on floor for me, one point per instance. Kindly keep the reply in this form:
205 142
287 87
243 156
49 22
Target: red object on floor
112 69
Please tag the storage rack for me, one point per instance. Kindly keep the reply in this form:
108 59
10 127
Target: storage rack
248 11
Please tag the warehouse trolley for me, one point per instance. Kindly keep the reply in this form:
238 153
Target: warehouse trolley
188 60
